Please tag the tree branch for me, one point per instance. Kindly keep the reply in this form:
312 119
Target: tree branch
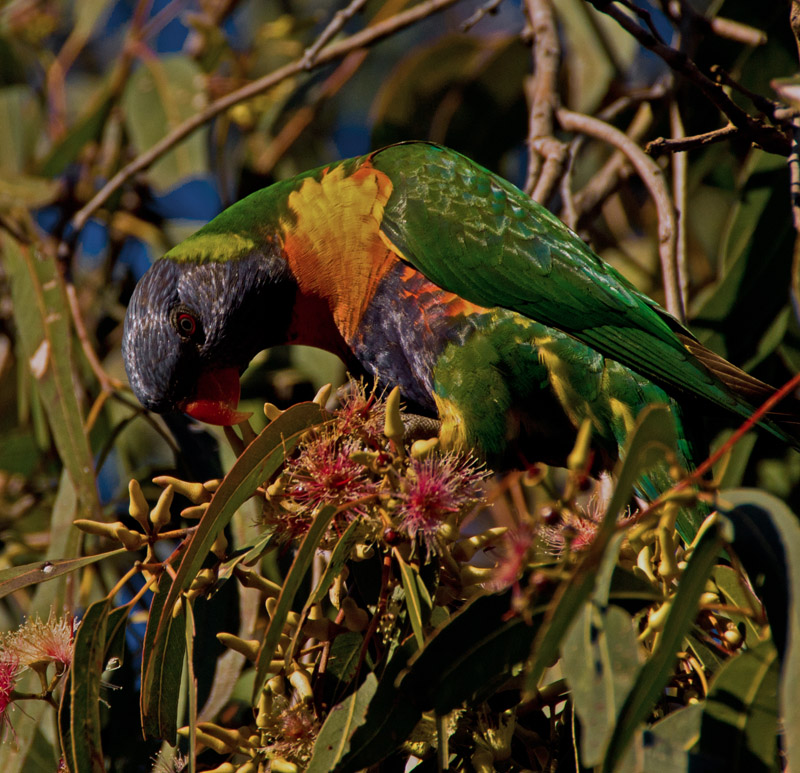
653 178
546 59
770 138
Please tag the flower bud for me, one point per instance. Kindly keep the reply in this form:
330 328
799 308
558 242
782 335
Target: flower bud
160 514
138 508
247 647
194 492
323 395
393 424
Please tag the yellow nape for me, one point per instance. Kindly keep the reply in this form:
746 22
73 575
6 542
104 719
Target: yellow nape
453 434
333 243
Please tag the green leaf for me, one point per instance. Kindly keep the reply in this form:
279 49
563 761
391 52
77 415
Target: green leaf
41 571
43 322
246 555
191 681
87 129
333 741
466 659
654 430
294 577
659 667
27 191
600 660
668 742
256 464
414 588
20 120
339 555
732 591
159 96
162 662
596 48
84 695
740 716
345 654
768 544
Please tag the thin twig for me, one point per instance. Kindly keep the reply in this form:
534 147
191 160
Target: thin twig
107 383
330 53
653 178
617 168
304 115
680 163
544 94
718 25
767 106
645 16
340 18
770 138
486 9
678 145
615 171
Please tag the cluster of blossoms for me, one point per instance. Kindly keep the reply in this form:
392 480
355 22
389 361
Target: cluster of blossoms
35 645
355 464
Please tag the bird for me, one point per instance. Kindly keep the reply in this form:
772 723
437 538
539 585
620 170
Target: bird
423 270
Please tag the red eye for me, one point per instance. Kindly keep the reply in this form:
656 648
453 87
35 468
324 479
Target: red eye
187 324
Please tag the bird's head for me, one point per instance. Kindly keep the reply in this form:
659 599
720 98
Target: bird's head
193 325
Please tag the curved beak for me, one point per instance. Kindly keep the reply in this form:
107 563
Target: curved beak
216 399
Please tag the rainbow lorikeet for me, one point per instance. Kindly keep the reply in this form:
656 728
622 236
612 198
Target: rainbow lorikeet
427 271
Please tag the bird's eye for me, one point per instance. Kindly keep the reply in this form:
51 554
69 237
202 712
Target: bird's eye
186 324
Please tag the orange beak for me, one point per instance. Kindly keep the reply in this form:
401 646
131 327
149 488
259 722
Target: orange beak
217 398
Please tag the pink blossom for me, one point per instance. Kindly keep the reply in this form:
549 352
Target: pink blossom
435 488
9 671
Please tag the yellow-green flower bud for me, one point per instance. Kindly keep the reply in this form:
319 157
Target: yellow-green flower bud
160 514
194 492
422 448
138 508
323 395
272 411
131 540
97 527
393 425
247 647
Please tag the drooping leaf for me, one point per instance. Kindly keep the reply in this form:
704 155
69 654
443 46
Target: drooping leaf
660 665
768 544
43 321
466 659
339 554
258 462
418 602
600 660
740 713
333 741
41 571
294 577
84 694
653 432
162 663
157 98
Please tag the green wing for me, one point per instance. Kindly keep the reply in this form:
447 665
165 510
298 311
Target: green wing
477 235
